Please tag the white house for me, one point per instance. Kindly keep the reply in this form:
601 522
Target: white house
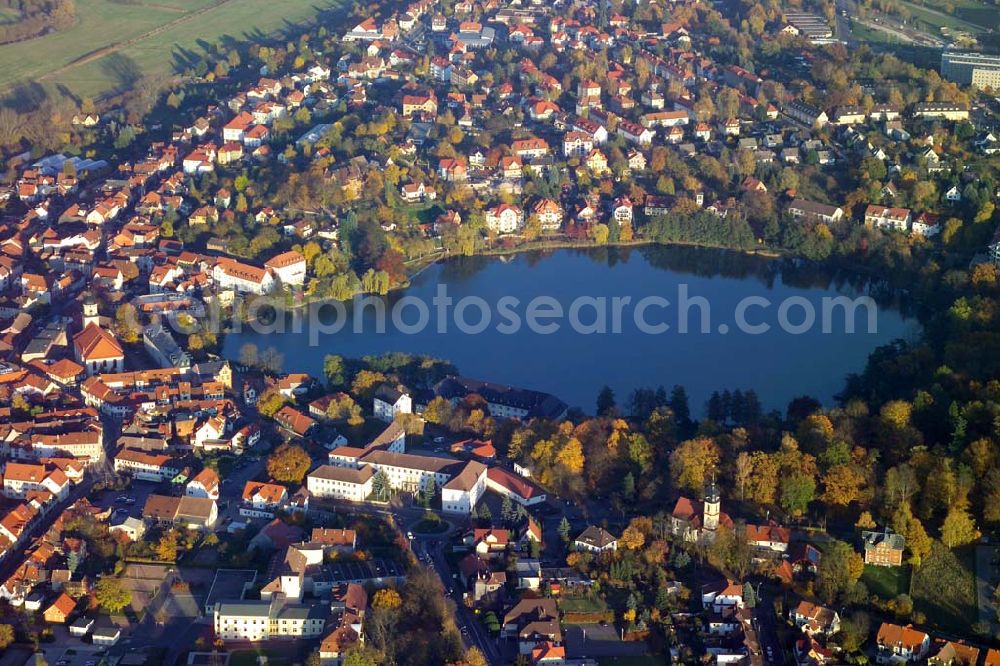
505 218
205 484
289 267
261 500
722 596
596 540
389 402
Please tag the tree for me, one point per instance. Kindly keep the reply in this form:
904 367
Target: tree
387 598
731 552
365 383
606 401
693 461
127 323
112 595
865 521
333 368
249 355
360 656
506 511
381 486
473 657
959 528
838 571
166 548
6 636
797 491
842 485
854 631
438 411
563 530
632 538
289 464
749 595
744 471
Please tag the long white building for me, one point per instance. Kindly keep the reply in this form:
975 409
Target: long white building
267 620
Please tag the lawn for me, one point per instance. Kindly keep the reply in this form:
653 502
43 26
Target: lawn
143 39
249 657
886 582
972 17
429 526
583 604
944 588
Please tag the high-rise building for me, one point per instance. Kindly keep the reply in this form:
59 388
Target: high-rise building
975 69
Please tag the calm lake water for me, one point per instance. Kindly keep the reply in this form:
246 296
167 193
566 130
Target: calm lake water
779 365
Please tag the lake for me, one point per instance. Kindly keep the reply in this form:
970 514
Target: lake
747 324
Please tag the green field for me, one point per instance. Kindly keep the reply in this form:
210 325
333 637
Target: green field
585 604
249 657
886 582
944 588
969 15
111 44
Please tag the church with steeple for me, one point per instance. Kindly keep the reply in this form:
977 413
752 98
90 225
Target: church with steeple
699 520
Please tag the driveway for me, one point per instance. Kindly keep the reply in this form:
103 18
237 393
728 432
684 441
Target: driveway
987 579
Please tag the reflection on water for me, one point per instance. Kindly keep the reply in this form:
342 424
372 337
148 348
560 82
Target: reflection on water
778 366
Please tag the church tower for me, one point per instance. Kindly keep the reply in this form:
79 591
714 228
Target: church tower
90 313
713 504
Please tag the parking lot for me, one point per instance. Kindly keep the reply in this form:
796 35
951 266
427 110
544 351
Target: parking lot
84 655
131 500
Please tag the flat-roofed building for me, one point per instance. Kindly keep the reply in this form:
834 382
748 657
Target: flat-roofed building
971 69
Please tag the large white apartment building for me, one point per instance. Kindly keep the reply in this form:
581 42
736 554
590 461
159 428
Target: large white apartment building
351 477
344 483
462 492
244 278
268 620
977 69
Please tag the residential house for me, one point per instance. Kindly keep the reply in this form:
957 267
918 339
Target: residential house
262 500
504 218
883 548
901 644
59 611
890 219
814 211
815 619
533 623
596 540
390 401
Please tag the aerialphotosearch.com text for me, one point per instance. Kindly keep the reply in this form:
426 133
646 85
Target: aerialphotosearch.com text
679 313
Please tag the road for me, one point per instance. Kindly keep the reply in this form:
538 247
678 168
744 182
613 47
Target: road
766 623
430 551
844 10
